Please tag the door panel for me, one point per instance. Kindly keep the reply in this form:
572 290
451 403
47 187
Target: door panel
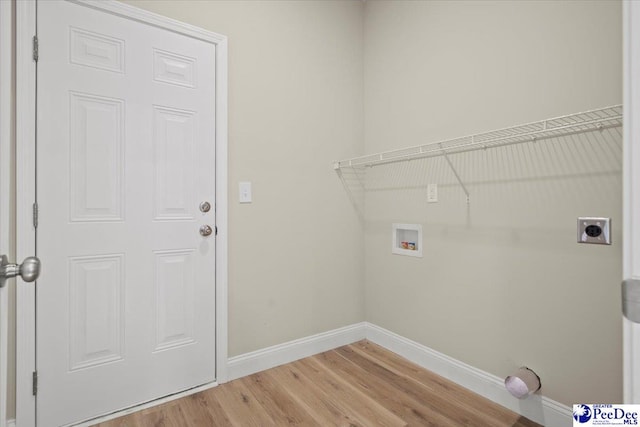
173 147
96 316
126 152
174 280
96 145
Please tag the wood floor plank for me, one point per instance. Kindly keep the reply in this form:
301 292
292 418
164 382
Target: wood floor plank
347 397
210 403
336 406
242 407
356 385
176 416
163 417
325 408
194 411
280 405
319 413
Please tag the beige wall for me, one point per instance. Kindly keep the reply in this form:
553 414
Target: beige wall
502 282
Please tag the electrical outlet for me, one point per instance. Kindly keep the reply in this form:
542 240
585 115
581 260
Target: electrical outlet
594 230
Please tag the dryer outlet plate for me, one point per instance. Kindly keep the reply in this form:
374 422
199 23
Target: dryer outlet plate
594 230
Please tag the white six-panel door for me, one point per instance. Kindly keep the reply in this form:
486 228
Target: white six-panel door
125 156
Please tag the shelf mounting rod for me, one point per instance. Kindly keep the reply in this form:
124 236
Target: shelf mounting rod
455 173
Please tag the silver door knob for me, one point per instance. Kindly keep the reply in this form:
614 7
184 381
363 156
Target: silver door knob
206 230
205 207
29 269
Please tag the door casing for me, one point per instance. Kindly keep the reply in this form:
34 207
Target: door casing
6 114
631 193
26 185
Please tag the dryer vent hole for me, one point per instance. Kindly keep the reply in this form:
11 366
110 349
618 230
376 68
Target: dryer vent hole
593 230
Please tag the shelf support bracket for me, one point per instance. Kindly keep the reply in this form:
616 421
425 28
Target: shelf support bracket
455 173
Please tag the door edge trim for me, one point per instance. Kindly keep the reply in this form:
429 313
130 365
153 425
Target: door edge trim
25 116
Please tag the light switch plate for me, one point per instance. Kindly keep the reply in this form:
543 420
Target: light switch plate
594 230
432 193
245 192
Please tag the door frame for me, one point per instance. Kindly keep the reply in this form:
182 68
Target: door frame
631 193
26 185
6 114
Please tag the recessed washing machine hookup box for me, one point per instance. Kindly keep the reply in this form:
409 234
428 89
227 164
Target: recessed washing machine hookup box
406 239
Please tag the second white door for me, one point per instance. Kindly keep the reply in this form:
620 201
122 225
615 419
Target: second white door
125 157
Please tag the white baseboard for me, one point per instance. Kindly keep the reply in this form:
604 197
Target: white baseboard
537 408
270 357
11 423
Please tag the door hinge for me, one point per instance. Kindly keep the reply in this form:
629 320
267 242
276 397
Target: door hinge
35 215
35 383
35 48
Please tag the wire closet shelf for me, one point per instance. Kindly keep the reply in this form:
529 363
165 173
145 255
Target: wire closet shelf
588 121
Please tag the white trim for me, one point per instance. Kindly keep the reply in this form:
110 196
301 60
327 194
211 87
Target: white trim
11 423
25 196
160 21
6 74
270 357
631 190
25 184
537 408
221 207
